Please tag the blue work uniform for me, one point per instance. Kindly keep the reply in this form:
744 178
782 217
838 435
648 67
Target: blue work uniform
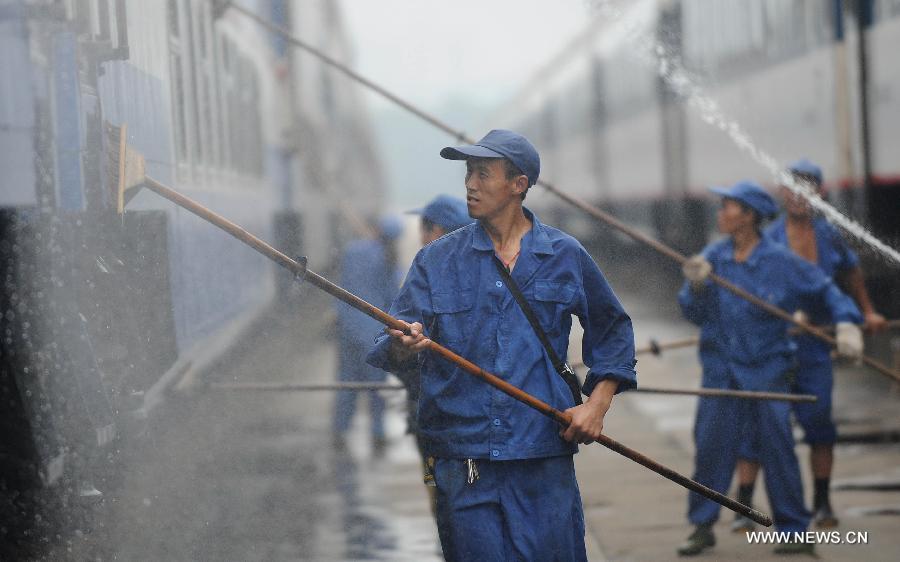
367 273
454 290
756 355
814 369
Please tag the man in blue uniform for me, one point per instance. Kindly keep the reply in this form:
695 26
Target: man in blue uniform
440 216
369 270
815 240
756 354
504 474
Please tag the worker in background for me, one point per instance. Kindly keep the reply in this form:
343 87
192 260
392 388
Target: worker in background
369 270
815 240
440 216
757 355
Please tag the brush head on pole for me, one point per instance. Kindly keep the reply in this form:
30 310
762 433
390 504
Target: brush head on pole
125 167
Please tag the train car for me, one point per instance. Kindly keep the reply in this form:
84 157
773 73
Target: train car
802 78
103 311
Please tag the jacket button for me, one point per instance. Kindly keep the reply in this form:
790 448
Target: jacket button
499 283
496 421
495 453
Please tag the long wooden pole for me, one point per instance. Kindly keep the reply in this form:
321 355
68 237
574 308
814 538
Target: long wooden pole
656 348
302 272
365 386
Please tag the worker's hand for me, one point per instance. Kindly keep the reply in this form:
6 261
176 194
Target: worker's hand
587 422
849 340
696 269
587 418
405 346
875 323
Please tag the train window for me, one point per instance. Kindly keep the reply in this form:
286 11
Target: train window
232 108
215 94
178 106
728 36
202 16
179 93
173 18
102 19
225 94
203 73
188 54
102 22
251 120
240 112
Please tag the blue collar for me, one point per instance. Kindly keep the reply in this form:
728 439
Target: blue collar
536 241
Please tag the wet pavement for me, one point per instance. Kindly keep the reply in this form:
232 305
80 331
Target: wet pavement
228 475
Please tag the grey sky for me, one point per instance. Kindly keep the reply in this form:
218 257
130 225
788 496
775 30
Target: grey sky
430 50
458 59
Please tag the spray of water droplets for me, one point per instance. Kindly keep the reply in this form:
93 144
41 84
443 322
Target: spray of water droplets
649 50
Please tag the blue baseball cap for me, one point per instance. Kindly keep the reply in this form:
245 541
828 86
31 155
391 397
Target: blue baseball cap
501 143
449 213
390 227
808 168
751 194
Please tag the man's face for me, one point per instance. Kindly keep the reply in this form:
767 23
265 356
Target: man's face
796 205
488 192
733 217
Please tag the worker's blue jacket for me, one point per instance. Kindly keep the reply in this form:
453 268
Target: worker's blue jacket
453 289
755 343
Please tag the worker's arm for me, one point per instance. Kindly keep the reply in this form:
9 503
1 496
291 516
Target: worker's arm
856 286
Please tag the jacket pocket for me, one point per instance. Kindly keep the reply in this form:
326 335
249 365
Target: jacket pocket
554 291
452 312
552 299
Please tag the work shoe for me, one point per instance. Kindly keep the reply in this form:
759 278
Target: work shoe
795 547
824 517
701 539
742 524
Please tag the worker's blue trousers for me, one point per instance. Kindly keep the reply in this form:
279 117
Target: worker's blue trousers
515 510
721 425
817 378
814 376
352 367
